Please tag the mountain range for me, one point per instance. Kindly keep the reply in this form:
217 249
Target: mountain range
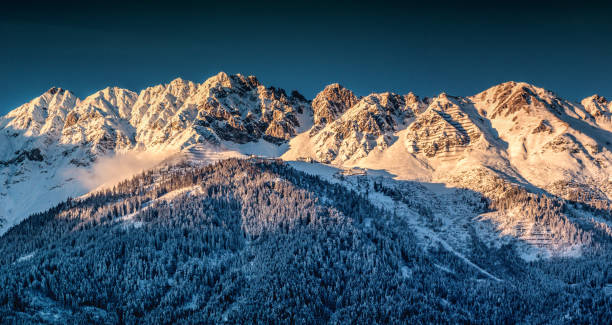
229 201
516 132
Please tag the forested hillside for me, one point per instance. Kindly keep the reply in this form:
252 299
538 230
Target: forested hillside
254 240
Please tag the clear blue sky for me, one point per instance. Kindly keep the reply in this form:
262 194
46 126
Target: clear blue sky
458 48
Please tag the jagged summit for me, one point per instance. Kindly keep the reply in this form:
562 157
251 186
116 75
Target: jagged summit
332 101
597 105
505 88
224 80
55 90
178 81
598 99
221 78
511 97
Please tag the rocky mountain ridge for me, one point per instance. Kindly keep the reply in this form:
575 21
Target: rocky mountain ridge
231 108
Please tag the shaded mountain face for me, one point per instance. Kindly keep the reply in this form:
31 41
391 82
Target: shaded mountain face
255 240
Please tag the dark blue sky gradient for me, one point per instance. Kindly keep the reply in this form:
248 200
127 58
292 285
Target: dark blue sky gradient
453 47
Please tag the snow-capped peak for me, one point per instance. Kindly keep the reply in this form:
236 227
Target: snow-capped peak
597 105
221 79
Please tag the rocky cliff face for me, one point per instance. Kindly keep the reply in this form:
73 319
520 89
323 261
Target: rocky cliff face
332 102
368 124
224 108
443 129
